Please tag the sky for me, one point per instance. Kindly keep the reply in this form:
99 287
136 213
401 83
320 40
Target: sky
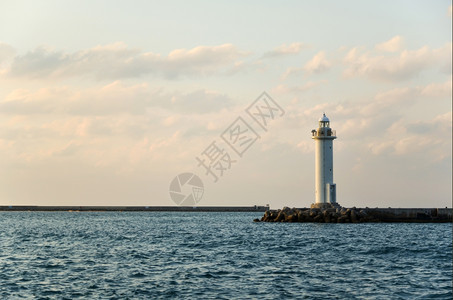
106 102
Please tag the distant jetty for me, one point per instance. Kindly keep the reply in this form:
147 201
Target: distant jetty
358 215
254 208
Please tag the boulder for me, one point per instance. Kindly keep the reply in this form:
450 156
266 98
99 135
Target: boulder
291 218
280 217
342 219
318 218
300 217
354 217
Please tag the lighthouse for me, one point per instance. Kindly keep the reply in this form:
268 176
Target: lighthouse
325 188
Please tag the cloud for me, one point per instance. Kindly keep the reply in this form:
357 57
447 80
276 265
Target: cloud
395 44
421 137
284 50
41 101
111 99
405 65
398 98
6 52
106 61
200 101
438 89
120 61
318 63
201 60
284 89
369 120
291 71
67 150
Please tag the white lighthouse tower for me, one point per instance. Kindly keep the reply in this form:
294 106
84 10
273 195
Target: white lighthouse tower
325 187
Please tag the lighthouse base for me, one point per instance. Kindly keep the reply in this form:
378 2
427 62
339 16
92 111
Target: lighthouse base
325 205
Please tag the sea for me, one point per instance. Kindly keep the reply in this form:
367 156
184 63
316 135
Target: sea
210 255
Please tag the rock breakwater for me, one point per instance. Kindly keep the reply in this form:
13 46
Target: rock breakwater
357 215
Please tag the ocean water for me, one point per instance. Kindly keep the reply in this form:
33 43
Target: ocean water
180 255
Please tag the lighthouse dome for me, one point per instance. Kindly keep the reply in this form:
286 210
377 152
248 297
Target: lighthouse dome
324 118
324 121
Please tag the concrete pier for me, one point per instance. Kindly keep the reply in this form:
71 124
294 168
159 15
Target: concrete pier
254 208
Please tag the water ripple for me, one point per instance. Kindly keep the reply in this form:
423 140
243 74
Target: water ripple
65 255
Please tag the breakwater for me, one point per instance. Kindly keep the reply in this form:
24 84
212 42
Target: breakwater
358 215
255 208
